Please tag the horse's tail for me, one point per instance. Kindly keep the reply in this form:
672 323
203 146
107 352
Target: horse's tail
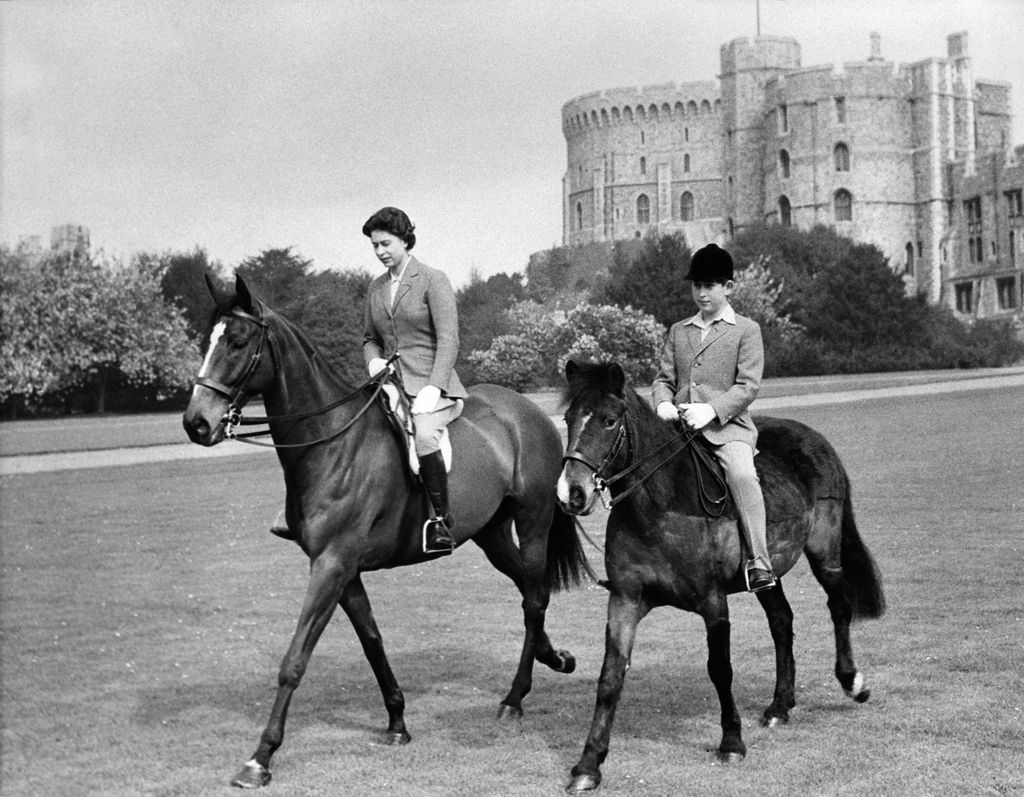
567 564
861 579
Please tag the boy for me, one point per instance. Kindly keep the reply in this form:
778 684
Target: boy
710 373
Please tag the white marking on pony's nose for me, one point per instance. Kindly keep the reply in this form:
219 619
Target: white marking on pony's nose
562 489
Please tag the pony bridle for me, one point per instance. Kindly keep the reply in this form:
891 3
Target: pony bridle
233 414
598 472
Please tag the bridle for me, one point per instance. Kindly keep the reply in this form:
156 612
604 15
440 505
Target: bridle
232 417
714 506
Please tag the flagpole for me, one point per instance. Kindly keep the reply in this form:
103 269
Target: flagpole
758 2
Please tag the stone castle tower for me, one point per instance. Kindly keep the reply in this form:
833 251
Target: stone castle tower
879 152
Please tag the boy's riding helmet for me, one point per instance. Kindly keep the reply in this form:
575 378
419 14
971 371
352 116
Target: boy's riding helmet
710 264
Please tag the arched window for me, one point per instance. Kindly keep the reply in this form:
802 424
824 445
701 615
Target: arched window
627 114
686 162
686 206
785 212
579 216
908 263
842 155
843 205
783 163
643 165
643 209
705 106
691 107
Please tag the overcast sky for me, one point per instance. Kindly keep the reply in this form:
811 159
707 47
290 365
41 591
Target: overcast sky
239 126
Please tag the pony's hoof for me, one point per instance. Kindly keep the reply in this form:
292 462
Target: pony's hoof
568 662
862 697
393 738
252 776
730 756
582 783
857 691
507 712
773 720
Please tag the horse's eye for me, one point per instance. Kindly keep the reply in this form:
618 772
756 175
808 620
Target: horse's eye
609 422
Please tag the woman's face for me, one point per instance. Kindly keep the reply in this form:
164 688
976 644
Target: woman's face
389 248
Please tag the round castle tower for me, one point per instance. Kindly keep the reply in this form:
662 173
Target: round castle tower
643 159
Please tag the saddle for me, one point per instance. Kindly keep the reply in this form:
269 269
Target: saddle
398 410
712 488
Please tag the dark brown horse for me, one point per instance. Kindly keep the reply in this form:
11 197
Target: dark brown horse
665 546
353 505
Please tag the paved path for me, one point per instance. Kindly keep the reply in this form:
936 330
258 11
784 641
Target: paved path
807 392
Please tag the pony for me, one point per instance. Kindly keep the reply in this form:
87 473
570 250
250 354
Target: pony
353 505
672 540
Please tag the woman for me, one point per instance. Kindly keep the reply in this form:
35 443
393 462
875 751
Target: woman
411 311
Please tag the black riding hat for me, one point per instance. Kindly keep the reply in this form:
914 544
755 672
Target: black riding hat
710 264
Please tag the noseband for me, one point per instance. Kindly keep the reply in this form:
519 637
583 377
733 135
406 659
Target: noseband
233 394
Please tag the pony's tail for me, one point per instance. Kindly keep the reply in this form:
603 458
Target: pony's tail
567 564
861 579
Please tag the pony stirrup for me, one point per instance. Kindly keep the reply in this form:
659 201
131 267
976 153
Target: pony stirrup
437 537
758 577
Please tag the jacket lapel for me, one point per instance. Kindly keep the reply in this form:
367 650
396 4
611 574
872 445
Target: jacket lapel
412 272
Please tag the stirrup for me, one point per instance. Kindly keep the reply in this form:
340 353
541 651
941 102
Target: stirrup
428 525
754 564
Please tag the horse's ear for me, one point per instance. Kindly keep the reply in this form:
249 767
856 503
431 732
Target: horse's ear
571 369
243 297
216 290
616 379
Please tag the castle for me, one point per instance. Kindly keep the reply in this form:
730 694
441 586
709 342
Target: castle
915 159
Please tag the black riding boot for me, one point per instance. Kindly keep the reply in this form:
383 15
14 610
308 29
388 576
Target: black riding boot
437 531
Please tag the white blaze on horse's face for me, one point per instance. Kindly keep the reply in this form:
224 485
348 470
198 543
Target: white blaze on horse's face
565 486
215 335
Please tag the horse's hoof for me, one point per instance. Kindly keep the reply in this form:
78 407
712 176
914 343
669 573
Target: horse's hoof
583 783
857 691
393 738
568 662
252 776
507 712
731 756
862 696
773 720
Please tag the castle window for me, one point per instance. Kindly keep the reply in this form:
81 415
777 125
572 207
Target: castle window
615 115
783 163
908 263
843 202
972 210
1013 247
579 216
842 156
783 119
785 212
686 162
686 134
679 110
643 137
643 165
964 297
604 117
691 107
1013 203
643 209
1006 293
627 114
705 106
686 206
840 110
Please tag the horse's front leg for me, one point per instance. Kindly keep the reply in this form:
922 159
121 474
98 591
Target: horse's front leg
780 621
326 582
715 611
357 606
623 616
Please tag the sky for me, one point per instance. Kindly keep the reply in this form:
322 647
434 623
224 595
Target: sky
238 126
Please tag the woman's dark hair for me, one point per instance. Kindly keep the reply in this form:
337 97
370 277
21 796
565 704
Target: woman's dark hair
394 221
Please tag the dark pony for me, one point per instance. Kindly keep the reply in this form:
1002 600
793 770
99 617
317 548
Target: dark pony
671 541
353 505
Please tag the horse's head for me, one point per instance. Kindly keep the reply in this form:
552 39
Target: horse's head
238 364
595 416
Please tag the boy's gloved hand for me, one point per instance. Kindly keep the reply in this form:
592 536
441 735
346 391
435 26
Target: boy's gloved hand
426 399
667 411
697 416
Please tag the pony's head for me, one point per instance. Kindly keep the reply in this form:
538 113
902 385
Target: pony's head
596 404
238 363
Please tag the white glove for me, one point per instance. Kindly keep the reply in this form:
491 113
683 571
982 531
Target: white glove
667 411
697 416
376 365
426 400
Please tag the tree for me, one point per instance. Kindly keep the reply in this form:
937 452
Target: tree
330 307
276 276
76 321
651 279
482 305
183 283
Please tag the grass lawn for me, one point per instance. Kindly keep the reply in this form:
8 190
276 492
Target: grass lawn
145 611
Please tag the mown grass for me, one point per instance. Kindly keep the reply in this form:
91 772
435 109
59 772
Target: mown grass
145 611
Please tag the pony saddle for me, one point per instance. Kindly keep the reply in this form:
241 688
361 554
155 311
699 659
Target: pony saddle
398 409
